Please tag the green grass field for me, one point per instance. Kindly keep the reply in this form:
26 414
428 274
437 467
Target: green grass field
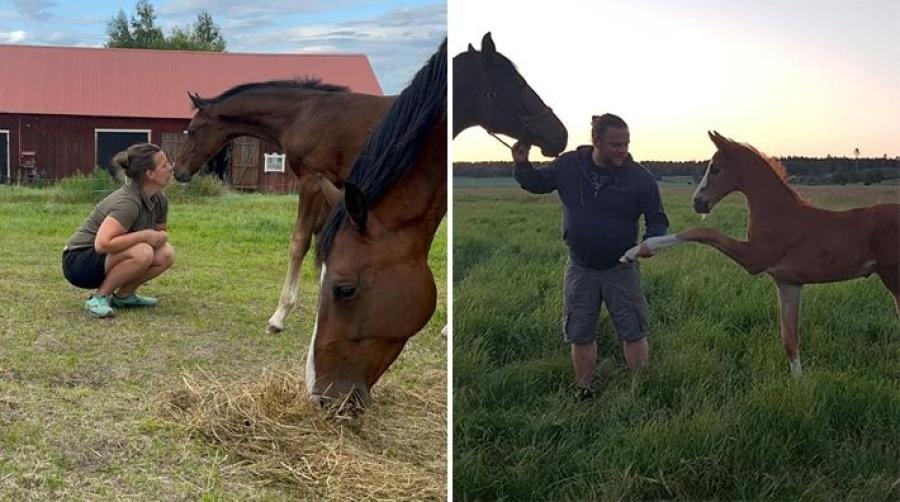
78 414
716 416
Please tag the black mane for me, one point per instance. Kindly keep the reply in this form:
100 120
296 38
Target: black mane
393 148
309 83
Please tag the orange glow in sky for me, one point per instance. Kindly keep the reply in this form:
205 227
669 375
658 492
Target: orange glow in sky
808 78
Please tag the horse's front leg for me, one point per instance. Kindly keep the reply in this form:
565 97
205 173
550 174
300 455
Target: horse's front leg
301 237
789 308
743 253
653 245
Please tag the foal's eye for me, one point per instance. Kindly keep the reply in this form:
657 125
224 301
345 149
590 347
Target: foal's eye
713 170
344 292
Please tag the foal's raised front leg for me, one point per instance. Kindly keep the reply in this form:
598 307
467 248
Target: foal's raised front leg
789 307
307 214
738 251
741 252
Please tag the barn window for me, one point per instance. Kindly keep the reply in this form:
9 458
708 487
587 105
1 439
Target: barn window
274 163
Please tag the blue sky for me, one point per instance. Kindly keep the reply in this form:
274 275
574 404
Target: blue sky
398 36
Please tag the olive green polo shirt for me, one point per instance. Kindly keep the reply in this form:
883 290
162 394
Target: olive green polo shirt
129 206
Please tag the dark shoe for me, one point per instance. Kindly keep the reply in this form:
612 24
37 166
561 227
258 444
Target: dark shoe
583 394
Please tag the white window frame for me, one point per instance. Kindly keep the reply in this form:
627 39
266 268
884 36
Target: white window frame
98 131
8 148
278 162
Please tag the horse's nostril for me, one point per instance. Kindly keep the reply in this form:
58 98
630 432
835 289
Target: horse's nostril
701 206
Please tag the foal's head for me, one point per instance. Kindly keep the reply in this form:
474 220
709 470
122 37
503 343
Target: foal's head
723 175
206 135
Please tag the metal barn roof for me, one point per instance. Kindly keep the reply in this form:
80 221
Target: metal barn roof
151 83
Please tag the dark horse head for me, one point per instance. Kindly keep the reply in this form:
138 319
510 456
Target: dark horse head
376 290
489 92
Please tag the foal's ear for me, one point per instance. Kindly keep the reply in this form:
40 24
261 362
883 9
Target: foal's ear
487 45
722 143
471 49
357 208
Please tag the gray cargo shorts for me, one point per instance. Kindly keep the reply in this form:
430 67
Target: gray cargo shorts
586 289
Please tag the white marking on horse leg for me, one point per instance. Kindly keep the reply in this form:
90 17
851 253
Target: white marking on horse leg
654 244
789 306
310 354
288 297
796 367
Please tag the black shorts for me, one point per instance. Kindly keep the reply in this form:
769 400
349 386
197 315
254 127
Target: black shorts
83 267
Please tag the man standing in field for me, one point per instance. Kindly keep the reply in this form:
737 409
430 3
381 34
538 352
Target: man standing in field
603 192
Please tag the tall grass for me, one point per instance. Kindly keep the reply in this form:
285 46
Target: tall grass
716 416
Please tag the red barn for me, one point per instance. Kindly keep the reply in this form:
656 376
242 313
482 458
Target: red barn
69 109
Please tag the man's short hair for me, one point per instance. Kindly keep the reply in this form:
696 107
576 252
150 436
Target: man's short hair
600 123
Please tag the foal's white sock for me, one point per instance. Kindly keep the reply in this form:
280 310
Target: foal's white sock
796 367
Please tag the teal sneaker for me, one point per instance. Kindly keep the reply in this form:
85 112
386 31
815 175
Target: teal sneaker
98 306
132 300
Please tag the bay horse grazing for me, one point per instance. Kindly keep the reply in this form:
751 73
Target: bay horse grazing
789 239
488 91
376 290
320 127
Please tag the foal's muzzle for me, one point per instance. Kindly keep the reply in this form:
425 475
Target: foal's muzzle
701 205
182 175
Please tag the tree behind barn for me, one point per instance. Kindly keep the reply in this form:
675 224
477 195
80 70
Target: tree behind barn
141 32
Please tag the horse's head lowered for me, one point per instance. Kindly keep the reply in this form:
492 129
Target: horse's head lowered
376 290
723 175
489 91
206 134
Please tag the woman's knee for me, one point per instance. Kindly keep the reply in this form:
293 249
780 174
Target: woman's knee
164 256
140 253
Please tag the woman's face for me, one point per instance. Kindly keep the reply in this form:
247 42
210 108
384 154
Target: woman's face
161 174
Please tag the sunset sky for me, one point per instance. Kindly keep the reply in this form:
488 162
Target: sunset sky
789 77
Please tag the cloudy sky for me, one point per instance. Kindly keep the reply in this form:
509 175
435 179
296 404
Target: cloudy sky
791 77
398 36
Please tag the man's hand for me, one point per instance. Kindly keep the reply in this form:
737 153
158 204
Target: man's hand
644 251
520 152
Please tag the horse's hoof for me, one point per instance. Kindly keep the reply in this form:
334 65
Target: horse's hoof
272 329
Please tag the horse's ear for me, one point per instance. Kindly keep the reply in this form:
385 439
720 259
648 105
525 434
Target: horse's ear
471 49
487 45
199 103
722 143
331 192
357 208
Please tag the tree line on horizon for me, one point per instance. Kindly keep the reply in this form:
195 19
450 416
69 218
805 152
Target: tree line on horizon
811 170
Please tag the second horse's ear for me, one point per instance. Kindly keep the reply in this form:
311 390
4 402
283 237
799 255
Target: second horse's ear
487 45
357 207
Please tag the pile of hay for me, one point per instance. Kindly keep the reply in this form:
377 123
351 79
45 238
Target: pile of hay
396 450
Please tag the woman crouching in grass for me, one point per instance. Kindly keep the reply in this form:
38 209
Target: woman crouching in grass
122 243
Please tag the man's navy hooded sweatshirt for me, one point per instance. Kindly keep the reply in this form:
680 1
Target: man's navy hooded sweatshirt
601 206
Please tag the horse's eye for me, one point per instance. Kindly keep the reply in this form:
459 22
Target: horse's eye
190 132
344 292
713 170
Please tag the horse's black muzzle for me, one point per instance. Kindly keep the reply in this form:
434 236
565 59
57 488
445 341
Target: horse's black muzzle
701 205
